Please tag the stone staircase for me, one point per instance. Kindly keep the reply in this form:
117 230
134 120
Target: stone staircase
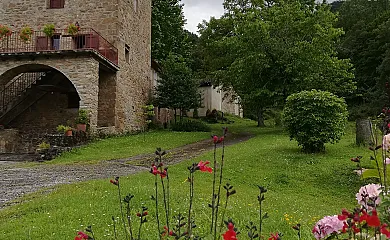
22 92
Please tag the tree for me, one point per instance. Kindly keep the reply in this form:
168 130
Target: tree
268 50
177 89
366 43
167 29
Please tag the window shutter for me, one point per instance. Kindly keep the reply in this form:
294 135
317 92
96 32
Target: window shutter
41 43
57 3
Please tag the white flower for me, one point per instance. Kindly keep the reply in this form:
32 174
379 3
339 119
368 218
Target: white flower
386 142
369 195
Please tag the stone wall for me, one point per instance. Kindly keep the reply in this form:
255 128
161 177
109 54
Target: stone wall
9 140
133 85
122 24
101 15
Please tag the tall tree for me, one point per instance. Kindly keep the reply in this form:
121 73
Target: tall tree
177 89
268 50
167 29
366 43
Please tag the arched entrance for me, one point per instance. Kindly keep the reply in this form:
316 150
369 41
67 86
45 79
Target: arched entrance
34 100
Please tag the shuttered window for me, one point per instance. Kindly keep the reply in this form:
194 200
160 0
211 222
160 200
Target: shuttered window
57 3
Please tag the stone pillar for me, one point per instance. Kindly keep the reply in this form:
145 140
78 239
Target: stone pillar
363 132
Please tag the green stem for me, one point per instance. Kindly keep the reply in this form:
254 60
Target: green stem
219 189
189 227
123 216
213 194
129 221
156 201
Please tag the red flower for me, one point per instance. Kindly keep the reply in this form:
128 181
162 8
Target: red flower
81 236
114 182
154 170
344 215
385 231
202 167
345 227
373 220
166 230
355 229
163 174
274 237
230 234
215 139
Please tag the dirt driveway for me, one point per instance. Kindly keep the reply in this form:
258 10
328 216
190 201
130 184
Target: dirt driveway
16 181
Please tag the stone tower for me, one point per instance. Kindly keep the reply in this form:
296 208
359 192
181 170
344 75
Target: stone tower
103 67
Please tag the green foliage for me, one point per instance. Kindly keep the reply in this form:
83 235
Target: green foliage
49 29
25 34
63 129
5 31
82 118
177 89
167 29
44 145
72 29
265 159
367 44
314 118
190 126
266 52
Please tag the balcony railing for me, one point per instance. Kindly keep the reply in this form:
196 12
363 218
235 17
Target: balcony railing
84 39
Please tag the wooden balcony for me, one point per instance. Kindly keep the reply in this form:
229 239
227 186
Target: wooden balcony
85 40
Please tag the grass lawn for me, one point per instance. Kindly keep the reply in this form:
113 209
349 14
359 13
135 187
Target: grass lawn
301 188
128 146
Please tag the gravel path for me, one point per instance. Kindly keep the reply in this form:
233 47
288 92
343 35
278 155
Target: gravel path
16 181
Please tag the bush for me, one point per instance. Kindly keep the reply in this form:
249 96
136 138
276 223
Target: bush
314 118
190 126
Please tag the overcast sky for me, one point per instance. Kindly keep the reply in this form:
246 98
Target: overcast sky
197 10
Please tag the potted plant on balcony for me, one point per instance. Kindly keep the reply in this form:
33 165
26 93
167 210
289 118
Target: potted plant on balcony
49 30
82 120
25 34
5 31
66 130
72 29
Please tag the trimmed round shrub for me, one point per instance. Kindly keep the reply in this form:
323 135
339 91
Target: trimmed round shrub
314 118
190 126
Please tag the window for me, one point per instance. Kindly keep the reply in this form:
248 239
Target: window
127 53
57 3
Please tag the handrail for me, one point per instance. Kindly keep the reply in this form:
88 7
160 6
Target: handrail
83 39
16 87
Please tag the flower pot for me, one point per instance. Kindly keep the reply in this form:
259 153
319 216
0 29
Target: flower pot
69 133
82 127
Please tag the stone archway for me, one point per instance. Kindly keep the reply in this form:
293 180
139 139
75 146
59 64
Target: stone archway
81 72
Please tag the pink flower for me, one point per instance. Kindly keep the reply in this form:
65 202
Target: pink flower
386 142
327 226
387 161
369 194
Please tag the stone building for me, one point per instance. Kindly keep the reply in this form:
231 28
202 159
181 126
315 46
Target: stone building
103 66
